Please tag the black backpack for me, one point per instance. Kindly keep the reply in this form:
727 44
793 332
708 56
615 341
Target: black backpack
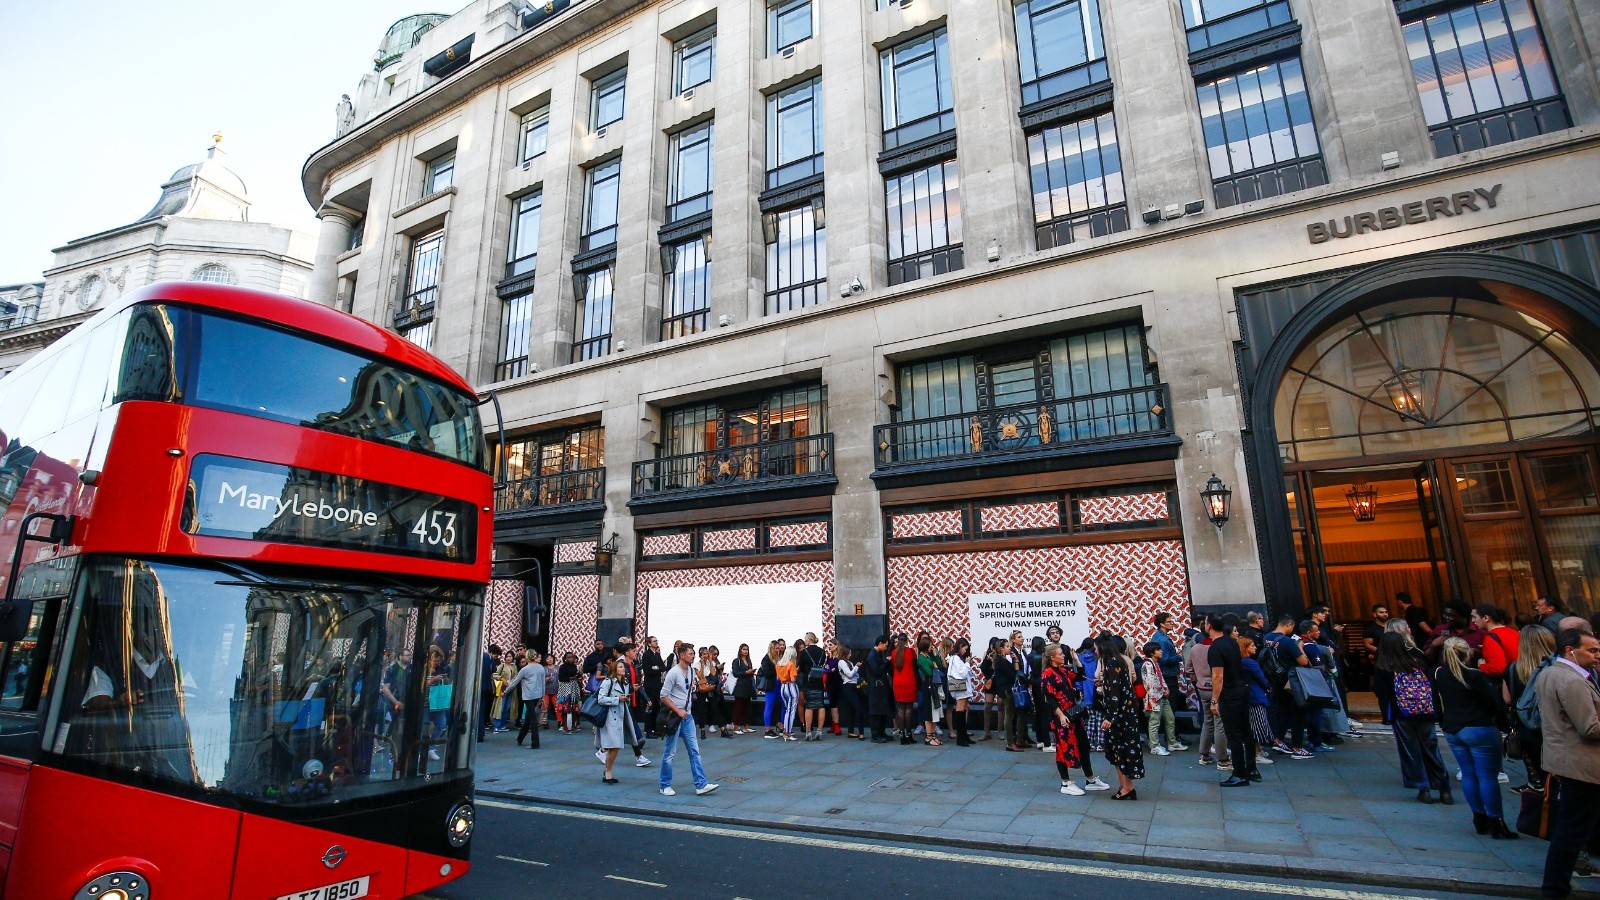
1272 665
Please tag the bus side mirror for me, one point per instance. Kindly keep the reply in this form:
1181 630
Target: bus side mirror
14 618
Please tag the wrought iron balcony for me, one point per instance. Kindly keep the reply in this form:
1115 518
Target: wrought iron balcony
577 492
786 466
1035 431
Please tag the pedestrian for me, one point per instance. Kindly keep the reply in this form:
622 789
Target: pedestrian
1230 700
903 666
1299 730
1321 658
852 700
570 692
1254 627
1213 743
744 690
1469 710
1120 707
1415 617
652 667
676 690
1061 697
1094 723
813 682
504 671
960 679
528 684
1157 701
767 684
1401 672
1171 659
991 702
490 662
930 682
1003 685
552 686
617 729
880 689
1260 697
1021 693
1550 612
1500 640
1535 646
1040 719
1569 713
788 672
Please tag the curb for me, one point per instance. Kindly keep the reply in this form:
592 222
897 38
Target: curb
1424 878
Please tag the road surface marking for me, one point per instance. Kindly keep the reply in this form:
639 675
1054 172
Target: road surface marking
636 881
526 862
1204 881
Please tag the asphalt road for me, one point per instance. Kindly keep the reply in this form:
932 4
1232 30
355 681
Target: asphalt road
527 849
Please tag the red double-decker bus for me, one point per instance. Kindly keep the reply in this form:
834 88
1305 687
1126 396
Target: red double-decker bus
244 547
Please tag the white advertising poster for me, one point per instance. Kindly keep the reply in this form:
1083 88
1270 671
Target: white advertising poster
997 615
733 614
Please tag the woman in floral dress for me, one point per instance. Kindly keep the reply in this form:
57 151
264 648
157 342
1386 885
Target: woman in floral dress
1120 706
1061 695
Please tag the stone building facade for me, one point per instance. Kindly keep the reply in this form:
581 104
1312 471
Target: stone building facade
925 314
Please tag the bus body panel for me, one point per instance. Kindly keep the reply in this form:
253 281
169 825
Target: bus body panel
68 821
296 863
13 787
426 870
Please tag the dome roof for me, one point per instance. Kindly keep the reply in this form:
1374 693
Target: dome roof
402 36
207 189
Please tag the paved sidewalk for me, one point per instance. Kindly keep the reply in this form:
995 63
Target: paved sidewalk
1343 815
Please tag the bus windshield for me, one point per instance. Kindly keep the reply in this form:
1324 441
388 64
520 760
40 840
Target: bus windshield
280 688
179 354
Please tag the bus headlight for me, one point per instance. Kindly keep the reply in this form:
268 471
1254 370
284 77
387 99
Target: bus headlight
115 886
458 825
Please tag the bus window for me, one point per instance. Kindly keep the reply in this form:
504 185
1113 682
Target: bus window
89 395
147 361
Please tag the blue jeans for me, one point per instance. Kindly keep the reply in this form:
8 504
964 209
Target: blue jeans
691 743
774 706
1477 752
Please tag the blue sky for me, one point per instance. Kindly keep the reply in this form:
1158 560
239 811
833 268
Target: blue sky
103 101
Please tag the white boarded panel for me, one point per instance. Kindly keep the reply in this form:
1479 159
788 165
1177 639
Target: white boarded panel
732 614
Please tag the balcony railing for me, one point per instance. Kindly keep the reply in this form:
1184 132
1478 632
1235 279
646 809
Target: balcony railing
546 492
1037 428
764 464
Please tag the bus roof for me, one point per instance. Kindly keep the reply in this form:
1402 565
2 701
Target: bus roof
302 315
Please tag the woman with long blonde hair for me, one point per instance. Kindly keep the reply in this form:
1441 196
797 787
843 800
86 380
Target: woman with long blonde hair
1534 647
1469 707
788 673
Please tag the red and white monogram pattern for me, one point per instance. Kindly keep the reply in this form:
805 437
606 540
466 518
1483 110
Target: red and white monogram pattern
666 544
781 573
728 539
798 534
573 614
1020 517
502 614
1147 507
925 524
574 553
1127 584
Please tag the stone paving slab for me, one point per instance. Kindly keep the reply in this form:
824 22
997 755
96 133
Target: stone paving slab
1342 817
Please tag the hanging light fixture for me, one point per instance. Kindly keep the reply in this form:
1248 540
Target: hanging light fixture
604 554
1363 499
1405 394
1215 497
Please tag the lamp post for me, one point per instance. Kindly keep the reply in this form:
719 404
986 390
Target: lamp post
1215 496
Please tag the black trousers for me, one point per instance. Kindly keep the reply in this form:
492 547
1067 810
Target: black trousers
1241 737
530 722
1572 824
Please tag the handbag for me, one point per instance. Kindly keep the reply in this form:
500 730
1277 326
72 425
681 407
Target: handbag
1512 745
1019 695
439 696
958 685
763 684
1533 819
1076 712
592 712
667 720
1312 689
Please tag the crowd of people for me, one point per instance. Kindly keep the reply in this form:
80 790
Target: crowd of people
1249 691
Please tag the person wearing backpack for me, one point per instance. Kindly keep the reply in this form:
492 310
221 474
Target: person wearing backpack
1569 712
813 663
1470 709
1401 678
1536 649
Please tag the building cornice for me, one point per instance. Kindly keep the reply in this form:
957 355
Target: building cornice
515 55
42 333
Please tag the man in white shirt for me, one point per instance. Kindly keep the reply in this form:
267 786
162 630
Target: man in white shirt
677 692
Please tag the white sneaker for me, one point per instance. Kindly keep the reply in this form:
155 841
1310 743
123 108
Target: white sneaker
600 755
1095 784
790 737
668 792
1263 760
642 761
1160 750
434 754
1178 747
1503 778
1071 789
1224 767
1047 748
710 786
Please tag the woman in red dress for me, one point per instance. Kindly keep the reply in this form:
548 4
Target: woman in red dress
1061 693
903 666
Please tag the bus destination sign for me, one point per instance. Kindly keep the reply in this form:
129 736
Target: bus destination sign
241 498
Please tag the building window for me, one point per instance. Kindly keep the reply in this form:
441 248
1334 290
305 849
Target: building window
358 230
1077 181
535 134
600 205
797 257
794 133
551 454
689 179
1059 47
1213 22
1260 138
916 90
1483 75
924 213
523 255
420 334
694 60
516 335
594 314
213 273
788 23
441 174
606 99
686 300
780 415
422 279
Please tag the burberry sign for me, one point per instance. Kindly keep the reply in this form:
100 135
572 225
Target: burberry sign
1414 213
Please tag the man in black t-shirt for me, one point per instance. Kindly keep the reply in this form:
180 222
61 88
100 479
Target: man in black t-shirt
1416 617
1230 699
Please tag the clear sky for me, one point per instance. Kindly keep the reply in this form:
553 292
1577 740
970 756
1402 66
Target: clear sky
101 102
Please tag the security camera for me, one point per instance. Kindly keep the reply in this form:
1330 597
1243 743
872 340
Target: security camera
856 286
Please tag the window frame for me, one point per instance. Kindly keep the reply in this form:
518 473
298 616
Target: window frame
439 174
516 336
531 203
777 11
1054 227
590 237
689 49
894 64
602 90
926 214
1261 122
779 170
809 248
426 263
1039 84
535 122
685 288
590 315
681 207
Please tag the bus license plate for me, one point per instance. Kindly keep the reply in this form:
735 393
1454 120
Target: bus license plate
344 890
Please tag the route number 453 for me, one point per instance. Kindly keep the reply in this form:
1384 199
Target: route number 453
436 528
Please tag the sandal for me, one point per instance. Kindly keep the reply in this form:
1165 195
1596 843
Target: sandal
933 742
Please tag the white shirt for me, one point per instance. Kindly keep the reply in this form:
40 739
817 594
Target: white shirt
849 672
100 682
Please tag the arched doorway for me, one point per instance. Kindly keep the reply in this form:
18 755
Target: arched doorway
1439 437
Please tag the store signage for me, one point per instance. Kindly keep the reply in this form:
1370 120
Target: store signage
241 498
1414 213
997 615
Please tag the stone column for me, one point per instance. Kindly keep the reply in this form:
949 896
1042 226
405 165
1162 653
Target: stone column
996 203
333 238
